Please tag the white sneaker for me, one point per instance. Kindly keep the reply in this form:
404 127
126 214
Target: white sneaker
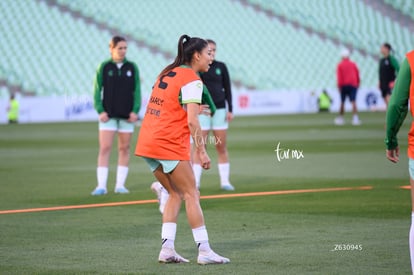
339 121
168 255
162 194
211 258
356 121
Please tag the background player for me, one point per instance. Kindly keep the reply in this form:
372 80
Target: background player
13 110
388 70
117 100
164 143
402 97
348 82
217 80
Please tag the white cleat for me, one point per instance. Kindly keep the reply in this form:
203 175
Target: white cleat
356 121
162 194
227 187
168 255
339 121
211 258
156 187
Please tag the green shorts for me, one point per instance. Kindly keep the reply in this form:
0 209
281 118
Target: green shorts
167 165
216 122
411 167
117 125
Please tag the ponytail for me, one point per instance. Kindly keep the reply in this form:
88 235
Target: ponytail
187 46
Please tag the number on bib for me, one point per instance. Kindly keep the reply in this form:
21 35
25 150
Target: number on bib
163 85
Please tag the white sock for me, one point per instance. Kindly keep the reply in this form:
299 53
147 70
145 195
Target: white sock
121 175
197 170
411 241
201 238
102 175
224 171
168 232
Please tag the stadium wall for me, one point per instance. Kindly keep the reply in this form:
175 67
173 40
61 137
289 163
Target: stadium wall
80 108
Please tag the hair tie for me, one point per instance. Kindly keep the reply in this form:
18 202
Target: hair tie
186 39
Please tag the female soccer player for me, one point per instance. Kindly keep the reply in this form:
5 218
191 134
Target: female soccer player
403 96
164 143
117 101
217 80
388 70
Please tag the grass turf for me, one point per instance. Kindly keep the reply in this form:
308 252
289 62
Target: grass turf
44 165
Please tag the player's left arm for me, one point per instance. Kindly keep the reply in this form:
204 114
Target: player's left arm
207 99
227 91
397 110
358 76
395 64
133 116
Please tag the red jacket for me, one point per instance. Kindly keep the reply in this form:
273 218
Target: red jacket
347 73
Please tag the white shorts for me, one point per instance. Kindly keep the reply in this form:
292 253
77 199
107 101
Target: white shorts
411 167
117 125
216 122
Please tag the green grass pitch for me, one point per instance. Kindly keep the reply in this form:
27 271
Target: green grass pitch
45 165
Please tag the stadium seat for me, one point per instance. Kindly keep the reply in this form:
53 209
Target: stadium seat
59 51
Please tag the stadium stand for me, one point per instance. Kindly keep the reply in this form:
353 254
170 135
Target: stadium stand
405 6
267 45
350 21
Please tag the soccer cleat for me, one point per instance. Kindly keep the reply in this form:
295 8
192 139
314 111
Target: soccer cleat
121 190
356 121
99 192
211 258
162 194
156 187
227 187
168 255
339 121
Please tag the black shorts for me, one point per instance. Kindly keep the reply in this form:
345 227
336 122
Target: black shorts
385 92
348 91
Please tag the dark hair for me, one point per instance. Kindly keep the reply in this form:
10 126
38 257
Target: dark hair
115 40
187 46
211 41
388 46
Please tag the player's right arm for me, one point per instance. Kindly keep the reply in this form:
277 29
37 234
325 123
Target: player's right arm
97 94
397 110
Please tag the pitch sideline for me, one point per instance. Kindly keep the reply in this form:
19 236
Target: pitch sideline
221 196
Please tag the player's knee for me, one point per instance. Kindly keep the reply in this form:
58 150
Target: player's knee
191 195
173 195
221 148
105 149
124 148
